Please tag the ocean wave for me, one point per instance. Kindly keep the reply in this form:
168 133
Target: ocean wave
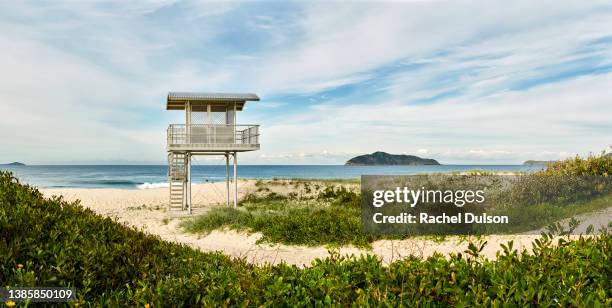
104 183
153 185
112 182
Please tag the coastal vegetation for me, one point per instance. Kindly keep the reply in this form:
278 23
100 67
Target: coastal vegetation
330 215
51 242
592 165
327 213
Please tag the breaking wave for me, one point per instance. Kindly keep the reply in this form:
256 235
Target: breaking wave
153 185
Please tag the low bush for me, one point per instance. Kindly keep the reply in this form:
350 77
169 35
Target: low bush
330 218
287 224
50 242
270 196
330 225
340 196
218 218
592 165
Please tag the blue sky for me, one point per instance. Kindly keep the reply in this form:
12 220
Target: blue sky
462 82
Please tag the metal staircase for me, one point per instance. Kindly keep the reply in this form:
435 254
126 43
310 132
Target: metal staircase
177 179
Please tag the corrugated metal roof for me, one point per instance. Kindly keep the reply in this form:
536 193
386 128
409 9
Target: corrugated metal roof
177 100
219 97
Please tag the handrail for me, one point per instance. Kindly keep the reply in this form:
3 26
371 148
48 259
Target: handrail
181 134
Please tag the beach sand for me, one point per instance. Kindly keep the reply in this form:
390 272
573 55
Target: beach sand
146 209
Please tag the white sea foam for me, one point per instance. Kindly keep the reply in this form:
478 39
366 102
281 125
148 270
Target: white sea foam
153 185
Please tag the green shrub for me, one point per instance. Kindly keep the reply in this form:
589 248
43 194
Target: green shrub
593 165
270 196
333 218
50 242
217 218
293 225
340 196
313 227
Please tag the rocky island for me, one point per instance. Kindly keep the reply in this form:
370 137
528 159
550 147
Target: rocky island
537 162
13 164
382 158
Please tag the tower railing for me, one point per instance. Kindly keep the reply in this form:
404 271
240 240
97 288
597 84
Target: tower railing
212 134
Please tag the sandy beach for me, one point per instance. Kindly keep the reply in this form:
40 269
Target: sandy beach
146 209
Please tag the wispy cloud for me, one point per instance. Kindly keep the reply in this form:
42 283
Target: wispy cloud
461 81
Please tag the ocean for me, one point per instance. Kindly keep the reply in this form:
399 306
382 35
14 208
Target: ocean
153 176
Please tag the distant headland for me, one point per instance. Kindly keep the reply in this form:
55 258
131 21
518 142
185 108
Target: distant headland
382 158
13 164
537 162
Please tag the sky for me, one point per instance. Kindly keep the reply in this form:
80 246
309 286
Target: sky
463 82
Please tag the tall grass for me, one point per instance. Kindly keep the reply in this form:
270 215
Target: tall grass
332 218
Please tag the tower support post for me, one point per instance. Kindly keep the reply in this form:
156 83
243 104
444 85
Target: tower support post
235 179
227 178
184 179
188 180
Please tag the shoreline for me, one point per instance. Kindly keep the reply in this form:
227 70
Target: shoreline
131 176
163 185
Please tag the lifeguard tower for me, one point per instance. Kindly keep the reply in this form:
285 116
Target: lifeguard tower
210 129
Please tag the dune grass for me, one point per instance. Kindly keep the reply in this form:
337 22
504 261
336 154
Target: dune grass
331 218
314 224
327 213
538 216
